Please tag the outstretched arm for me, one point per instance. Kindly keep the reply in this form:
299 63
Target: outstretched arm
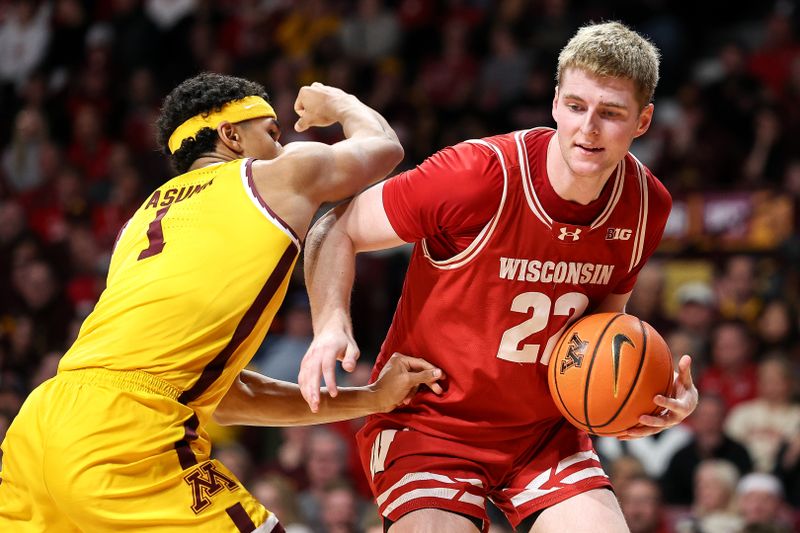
329 270
256 400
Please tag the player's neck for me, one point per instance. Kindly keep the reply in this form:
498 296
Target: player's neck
209 159
568 185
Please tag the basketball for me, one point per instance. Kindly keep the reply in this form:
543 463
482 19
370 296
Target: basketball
605 371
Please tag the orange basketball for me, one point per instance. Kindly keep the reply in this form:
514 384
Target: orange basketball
605 371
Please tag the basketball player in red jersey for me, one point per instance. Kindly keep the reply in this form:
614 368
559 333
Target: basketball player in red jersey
516 236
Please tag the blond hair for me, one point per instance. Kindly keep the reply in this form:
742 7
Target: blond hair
611 49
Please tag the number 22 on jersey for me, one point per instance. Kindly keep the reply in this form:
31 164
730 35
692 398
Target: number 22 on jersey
570 305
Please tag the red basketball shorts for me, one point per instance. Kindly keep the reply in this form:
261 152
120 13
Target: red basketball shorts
410 470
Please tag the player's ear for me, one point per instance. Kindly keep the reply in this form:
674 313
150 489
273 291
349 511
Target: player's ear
555 103
230 137
644 120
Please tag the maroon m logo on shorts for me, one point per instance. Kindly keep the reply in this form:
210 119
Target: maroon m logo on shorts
206 481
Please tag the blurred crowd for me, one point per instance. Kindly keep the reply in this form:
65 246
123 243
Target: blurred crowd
81 83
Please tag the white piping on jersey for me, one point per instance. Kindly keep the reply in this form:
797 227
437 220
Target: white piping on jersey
533 199
269 524
641 227
527 180
256 202
432 492
616 194
475 247
534 489
424 476
439 492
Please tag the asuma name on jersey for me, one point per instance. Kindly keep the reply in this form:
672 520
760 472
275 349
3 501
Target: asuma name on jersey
532 270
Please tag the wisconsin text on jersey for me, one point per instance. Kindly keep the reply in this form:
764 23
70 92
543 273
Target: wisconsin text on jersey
176 195
555 272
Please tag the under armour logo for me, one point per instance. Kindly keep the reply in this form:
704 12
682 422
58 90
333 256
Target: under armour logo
564 234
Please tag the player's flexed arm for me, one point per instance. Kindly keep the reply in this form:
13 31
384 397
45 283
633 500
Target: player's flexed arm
333 242
305 175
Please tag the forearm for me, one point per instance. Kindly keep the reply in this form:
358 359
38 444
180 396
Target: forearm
359 120
329 287
257 400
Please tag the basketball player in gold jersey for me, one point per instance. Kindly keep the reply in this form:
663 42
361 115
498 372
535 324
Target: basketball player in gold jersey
117 441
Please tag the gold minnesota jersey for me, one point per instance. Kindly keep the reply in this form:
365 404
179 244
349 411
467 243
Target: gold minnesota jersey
196 278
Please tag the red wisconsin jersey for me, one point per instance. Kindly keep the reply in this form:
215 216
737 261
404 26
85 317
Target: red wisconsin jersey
490 315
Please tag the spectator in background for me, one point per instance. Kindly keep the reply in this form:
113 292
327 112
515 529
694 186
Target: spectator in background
24 35
777 326
289 459
713 505
736 290
641 504
762 424
448 79
42 299
787 467
504 73
280 355
341 509
732 373
772 61
278 493
90 149
47 368
66 201
622 470
647 298
653 451
696 315
325 465
22 158
237 459
371 34
13 230
760 503
709 441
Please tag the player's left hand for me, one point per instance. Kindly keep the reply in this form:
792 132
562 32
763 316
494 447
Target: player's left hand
676 409
400 379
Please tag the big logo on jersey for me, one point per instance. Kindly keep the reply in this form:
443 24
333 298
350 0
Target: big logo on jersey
206 481
575 353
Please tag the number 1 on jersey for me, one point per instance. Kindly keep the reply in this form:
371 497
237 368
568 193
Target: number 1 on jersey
155 235
571 305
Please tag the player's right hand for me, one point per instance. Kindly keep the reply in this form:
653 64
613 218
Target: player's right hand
400 378
329 345
319 105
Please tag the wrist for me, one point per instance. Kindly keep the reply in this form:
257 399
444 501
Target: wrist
346 104
377 399
338 319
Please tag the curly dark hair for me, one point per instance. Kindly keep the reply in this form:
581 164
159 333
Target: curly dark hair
203 93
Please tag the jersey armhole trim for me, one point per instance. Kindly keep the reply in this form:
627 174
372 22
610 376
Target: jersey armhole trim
246 172
641 227
475 247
